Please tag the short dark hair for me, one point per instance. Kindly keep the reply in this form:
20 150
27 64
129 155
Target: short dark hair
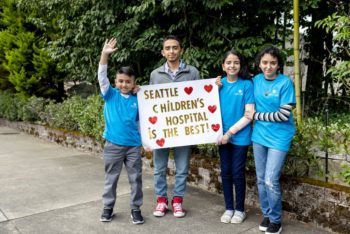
172 37
243 72
272 50
126 71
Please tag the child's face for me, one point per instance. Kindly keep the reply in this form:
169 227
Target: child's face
172 50
269 66
232 66
125 83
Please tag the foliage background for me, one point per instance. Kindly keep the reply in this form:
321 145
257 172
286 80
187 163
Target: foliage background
47 44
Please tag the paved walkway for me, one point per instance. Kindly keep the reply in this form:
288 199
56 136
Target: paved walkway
46 188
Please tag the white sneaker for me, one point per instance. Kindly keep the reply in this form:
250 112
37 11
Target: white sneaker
227 216
238 217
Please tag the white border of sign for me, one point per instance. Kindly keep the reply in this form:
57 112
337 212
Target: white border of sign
179 114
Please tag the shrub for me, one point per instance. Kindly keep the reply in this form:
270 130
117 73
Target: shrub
30 110
91 118
64 115
345 173
8 106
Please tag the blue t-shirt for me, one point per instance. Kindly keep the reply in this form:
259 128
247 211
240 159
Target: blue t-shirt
233 98
121 118
269 96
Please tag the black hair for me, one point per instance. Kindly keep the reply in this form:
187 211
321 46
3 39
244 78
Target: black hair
126 71
172 37
274 52
243 71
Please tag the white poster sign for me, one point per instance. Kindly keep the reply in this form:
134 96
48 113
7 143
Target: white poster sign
179 114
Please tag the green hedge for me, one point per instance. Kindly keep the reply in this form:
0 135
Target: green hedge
73 114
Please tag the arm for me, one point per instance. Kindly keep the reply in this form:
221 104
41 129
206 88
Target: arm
240 124
108 48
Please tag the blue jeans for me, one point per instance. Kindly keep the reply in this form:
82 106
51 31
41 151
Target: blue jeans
232 163
160 162
269 164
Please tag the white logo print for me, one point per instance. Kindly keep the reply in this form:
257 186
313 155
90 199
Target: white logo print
134 105
239 92
272 93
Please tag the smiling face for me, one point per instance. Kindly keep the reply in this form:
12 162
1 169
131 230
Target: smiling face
269 66
125 83
172 50
232 66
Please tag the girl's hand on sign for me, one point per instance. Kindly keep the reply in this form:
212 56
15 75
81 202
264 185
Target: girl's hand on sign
225 138
218 81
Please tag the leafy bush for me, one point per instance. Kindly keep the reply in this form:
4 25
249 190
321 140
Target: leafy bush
301 157
31 109
64 115
8 106
345 173
210 150
90 119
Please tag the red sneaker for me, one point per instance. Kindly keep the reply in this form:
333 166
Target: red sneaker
162 207
177 207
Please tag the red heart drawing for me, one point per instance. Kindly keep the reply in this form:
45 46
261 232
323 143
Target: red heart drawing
153 119
208 88
188 90
212 108
160 142
215 127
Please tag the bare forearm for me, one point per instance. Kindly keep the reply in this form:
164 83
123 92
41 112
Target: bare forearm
240 124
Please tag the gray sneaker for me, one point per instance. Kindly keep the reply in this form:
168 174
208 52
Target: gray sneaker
238 217
227 216
137 217
107 215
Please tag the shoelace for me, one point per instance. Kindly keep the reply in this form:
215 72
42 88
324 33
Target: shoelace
177 207
161 206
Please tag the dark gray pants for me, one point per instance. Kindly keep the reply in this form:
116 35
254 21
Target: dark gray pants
114 156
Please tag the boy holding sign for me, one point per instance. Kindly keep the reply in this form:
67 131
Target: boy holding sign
123 143
174 70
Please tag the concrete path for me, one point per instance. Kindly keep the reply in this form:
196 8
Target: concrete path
46 188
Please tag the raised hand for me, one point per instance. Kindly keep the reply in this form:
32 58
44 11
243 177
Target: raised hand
109 46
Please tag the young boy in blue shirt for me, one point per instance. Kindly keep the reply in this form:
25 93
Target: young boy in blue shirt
123 142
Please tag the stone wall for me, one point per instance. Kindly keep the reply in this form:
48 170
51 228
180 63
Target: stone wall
323 204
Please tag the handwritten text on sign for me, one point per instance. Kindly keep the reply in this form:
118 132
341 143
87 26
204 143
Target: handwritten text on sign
178 114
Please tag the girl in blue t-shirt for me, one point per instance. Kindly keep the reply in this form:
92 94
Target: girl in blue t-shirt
236 97
272 134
